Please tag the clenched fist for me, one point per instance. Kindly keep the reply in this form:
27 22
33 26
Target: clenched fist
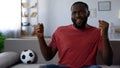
103 25
39 30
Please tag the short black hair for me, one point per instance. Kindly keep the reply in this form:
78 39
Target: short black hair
80 2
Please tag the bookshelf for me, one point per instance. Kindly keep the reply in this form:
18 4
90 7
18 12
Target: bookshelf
29 14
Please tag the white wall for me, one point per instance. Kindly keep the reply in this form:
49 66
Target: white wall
54 13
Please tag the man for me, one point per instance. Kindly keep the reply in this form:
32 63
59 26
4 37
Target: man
77 44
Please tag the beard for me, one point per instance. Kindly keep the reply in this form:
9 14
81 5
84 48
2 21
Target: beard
80 25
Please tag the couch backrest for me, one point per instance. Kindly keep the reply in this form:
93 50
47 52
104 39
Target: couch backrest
21 44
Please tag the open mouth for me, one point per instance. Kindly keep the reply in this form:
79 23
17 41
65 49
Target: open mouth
78 21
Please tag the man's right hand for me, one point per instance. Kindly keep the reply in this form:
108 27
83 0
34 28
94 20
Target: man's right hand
39 30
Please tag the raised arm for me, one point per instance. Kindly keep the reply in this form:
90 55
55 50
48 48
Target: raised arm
47 51
107 53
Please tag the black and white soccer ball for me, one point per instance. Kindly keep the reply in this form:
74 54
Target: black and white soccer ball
27 56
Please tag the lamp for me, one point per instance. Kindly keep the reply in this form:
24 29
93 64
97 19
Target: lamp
117 29
119 14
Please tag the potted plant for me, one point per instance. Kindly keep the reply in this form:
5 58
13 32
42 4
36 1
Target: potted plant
2 38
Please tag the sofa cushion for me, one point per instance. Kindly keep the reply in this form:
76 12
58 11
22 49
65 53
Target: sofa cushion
22 65
8 58
112 66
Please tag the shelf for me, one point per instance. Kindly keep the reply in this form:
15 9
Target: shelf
29 14
25 5
34 6
34 14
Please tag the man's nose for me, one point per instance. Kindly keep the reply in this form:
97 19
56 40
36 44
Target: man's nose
78 14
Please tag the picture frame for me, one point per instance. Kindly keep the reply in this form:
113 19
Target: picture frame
104 5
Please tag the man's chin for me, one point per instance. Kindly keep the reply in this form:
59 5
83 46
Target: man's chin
79 26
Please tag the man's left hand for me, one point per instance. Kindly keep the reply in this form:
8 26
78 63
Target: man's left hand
103 25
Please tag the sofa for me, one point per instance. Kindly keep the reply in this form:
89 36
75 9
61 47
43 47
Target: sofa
14 46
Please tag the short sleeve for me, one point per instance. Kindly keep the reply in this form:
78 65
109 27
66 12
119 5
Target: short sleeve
53 42
100 43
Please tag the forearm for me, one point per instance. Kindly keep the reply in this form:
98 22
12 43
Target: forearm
46 51
107 53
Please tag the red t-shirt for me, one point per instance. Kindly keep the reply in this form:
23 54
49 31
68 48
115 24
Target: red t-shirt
77 47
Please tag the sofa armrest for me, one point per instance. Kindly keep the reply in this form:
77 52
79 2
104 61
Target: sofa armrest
8 58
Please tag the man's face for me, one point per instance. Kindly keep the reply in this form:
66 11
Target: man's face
80 15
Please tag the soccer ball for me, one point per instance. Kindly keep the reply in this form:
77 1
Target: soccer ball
27 56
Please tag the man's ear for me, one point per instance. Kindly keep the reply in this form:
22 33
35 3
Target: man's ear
88 13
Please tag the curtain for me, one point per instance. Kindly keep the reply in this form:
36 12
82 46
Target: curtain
10 18
10 30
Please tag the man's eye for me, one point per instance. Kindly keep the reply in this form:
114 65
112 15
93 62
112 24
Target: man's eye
73 12
83 11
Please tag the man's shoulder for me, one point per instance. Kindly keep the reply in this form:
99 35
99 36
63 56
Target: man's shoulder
64 27
94 29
